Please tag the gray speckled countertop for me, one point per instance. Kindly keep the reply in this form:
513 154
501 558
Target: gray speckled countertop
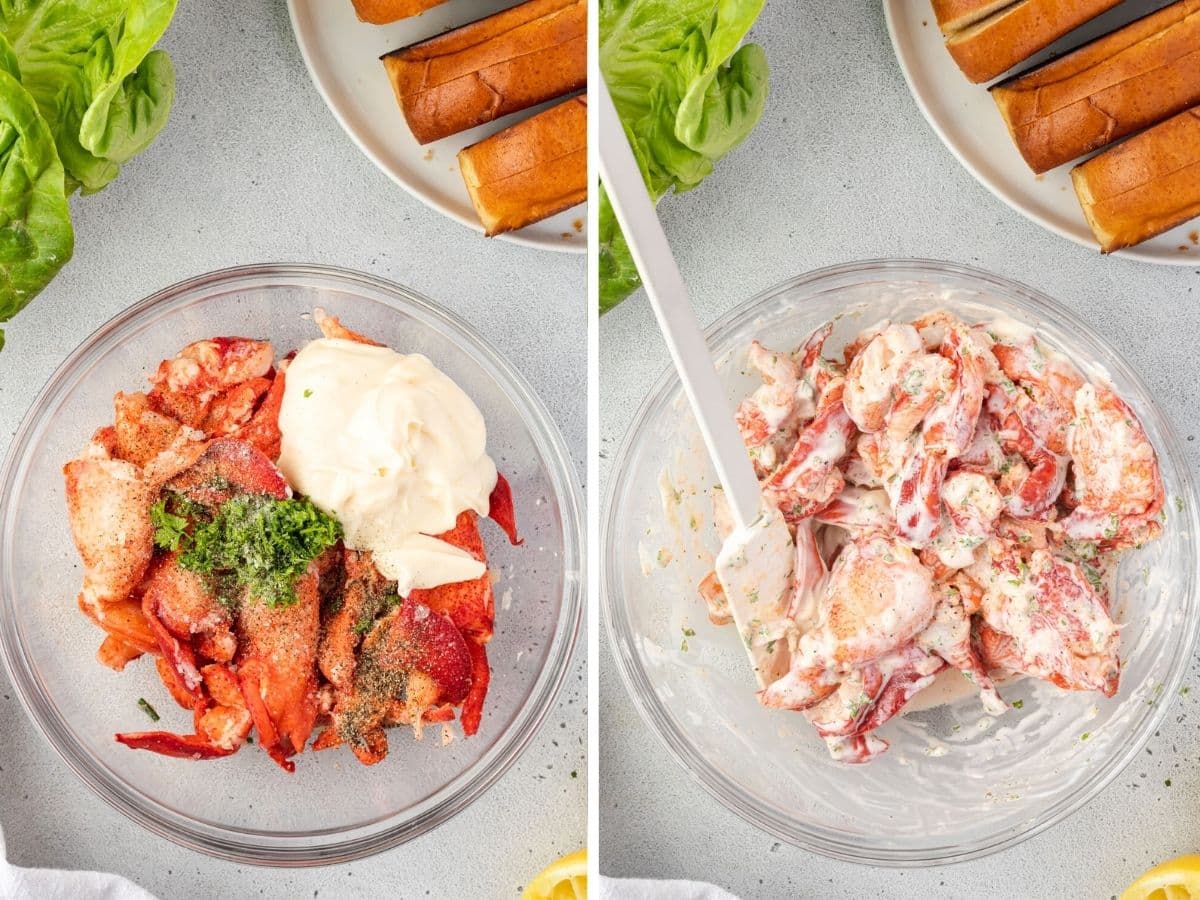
253 168
844 167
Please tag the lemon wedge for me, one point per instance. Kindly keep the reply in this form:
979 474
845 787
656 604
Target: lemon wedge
1178 879
564 879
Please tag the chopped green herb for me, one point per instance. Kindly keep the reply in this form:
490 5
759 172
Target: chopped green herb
683 646
1167 782
148 709
262 544
1092 574
1085 735
913 381
1178 504
689 632
1018 704
1111 527
307 393
574 773
169 529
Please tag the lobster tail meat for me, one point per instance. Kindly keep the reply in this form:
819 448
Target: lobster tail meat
277 664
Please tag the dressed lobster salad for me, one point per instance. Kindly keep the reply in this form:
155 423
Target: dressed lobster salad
295 544
944 495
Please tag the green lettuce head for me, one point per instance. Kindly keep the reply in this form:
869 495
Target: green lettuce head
36 238
687 93
89 64
81 93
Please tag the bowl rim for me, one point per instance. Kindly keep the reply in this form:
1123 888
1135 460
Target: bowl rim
649 706
464 788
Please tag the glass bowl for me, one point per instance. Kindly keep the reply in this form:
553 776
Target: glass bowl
243 807
956 783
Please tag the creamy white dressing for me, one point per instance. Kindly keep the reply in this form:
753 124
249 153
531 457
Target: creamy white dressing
393 448
755 570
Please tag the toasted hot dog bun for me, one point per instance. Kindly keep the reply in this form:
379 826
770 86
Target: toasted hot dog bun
380 12
1116 85
955 15
532 170
1145 186
990 38
520 57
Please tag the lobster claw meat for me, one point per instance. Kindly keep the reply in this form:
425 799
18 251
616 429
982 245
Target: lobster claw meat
222 723
185 386
412 654
470 605
262 431
227 468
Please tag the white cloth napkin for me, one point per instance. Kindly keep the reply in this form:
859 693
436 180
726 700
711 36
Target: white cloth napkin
17 883
645 889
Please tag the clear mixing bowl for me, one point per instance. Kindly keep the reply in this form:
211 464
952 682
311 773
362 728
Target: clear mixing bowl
243 807
956 783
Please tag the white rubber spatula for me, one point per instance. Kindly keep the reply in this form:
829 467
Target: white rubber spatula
755 563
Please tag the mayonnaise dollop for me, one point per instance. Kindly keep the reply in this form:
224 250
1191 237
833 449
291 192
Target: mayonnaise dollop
393 448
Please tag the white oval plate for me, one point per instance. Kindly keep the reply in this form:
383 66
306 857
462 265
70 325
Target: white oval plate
965 117
342 55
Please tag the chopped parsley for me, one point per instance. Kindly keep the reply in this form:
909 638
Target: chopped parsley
858 703
1085 735
913 381
169 529
307 393
261 544
148 709
1018 704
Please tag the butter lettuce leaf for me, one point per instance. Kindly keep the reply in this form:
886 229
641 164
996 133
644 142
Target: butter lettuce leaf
89 65
687 91
36 238
82 91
